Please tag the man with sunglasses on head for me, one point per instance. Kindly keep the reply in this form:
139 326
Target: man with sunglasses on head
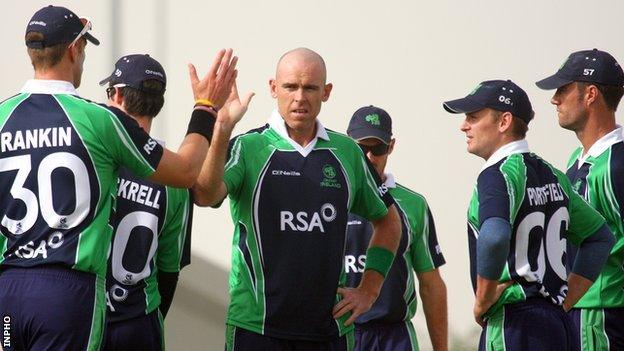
387 325
589 87
521 214
151 223
59 161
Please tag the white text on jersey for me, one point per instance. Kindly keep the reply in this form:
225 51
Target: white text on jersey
142 194
541 195
35 138
307 222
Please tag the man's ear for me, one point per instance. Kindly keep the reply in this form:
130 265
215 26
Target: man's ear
326 91
505 121
273 87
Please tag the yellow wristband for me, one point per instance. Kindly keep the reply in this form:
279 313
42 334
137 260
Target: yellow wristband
205 102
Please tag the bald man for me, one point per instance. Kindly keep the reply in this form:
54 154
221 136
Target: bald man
291 185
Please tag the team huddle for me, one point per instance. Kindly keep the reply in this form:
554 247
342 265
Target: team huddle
96 214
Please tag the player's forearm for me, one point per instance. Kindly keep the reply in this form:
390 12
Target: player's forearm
386 236
592 255
182 168
434 302
371 283
486 293
387 231
209 187
577 287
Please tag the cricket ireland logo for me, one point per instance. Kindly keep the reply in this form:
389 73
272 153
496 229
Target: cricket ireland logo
329 173
373 119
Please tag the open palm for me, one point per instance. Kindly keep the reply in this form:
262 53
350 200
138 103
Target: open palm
234 108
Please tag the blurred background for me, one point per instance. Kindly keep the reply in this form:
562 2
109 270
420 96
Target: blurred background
404 56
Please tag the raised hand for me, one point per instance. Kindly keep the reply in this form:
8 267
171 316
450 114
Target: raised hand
216 85
234 108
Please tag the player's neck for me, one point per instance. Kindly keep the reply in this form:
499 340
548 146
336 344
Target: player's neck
302 136
144 122
56 73
504 140
597 126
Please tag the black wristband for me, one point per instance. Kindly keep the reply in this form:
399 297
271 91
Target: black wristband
202 122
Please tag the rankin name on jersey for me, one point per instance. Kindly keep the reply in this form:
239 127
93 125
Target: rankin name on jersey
35 138
139 193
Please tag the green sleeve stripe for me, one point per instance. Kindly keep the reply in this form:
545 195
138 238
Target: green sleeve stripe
515 200
425 238
123 135
236 150
615 207
182 234
425 232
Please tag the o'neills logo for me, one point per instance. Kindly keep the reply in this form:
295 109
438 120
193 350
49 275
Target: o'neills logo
147 71
37 23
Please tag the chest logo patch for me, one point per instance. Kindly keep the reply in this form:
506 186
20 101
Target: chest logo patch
329 181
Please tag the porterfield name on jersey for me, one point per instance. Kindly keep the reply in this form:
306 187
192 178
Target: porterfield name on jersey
551 192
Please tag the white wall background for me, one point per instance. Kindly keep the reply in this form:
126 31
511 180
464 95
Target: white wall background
405 56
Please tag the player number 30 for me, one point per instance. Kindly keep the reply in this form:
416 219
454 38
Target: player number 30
48 164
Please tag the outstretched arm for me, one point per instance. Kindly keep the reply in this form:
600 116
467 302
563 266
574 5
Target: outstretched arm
181 168
210 188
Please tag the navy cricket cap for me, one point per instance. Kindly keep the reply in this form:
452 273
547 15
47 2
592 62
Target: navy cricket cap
500 95
133 70
370 122
592 66
58 25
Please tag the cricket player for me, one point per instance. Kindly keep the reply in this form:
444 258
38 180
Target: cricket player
522 213
59 161
291 185
151 223
589 87
387 326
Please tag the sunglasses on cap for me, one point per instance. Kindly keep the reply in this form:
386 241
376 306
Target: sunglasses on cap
377 149
110 91
87 27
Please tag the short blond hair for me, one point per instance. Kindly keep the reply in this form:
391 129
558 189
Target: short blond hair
47 57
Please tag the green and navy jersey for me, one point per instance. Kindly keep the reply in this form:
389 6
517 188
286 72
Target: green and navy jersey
599 178
151 233
545 213
59 156
289 205
418 251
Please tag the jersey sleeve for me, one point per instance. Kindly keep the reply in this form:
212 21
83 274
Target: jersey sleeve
425 251
493 195
584 219
235 167
371 199
130 145
174 240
